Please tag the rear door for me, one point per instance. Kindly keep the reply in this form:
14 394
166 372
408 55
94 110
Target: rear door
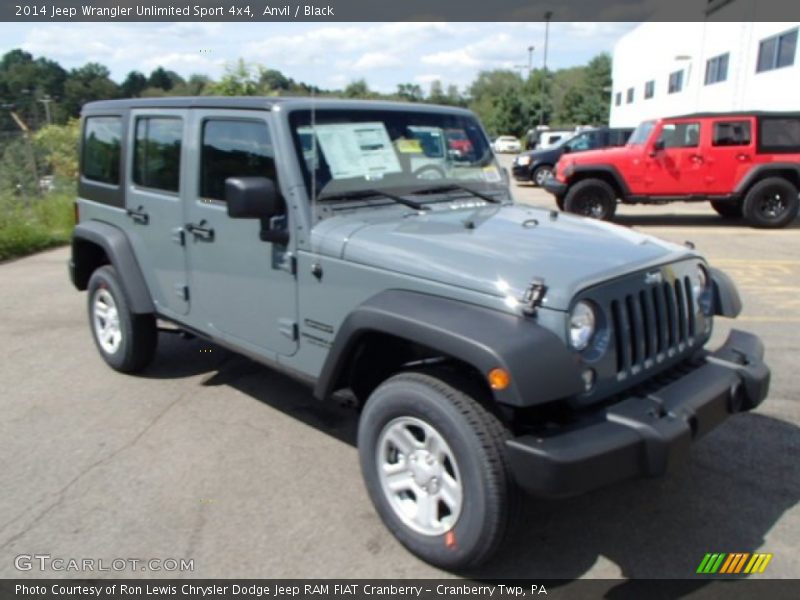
154 203
730 154
242 289
678 169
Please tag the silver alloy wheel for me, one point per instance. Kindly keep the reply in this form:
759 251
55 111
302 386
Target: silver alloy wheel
419 476
105 319
543 175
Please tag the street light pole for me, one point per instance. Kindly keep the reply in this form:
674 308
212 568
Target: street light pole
547 16
530 60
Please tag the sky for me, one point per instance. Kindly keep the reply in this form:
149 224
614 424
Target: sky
323 54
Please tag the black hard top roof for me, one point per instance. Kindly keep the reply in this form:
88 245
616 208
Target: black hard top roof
259 103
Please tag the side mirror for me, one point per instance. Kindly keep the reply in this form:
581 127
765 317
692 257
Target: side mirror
658 146
256 198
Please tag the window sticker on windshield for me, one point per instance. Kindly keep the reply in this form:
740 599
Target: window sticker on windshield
358 150
408 146
491 174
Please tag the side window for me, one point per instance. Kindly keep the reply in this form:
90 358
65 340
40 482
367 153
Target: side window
680 135
157 153
233 148
102 138
731 133
779 134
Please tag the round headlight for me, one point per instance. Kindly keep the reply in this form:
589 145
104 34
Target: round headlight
581 325
523 160
699 282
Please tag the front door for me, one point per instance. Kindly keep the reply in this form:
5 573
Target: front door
242 289
678 169
156 163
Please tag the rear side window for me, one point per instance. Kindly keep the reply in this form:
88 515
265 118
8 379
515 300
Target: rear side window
680 135
157 153
234 148
102 141
731 133
779 134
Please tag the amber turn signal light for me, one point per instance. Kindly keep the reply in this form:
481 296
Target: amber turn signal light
499 379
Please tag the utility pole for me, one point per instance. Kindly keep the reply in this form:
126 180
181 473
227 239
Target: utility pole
547 16
46 100
530 60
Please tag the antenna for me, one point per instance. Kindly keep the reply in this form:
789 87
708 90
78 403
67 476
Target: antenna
314 157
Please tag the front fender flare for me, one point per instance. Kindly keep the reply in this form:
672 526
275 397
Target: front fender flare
727 302
541 367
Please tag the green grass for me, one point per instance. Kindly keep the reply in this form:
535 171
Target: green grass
36 224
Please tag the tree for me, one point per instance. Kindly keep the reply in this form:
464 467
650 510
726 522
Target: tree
58 145
24 82
87 83
160 78
410 92
239 80
134 84
358 89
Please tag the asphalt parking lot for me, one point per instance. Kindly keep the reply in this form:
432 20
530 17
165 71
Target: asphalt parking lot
208 456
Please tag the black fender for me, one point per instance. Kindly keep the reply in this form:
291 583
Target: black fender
541 367
766 170
120 254
727 302
609 170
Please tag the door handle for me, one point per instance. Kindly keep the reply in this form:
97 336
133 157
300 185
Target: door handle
199 230
138 215
696 158
743 157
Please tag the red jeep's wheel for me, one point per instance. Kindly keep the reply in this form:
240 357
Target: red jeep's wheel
591 198
771 203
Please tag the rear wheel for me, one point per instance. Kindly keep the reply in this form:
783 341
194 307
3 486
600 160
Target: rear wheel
433 461
126 341
541 174
771 203
591 198
729 209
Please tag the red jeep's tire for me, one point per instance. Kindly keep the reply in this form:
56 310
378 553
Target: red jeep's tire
771 203
728 209
591 198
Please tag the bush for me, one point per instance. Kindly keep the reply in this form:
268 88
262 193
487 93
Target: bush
27 227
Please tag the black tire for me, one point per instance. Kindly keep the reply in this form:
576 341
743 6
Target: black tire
138 333
591 198
771 203
541 174
477 441
728 209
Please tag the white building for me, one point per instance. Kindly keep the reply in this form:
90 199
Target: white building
664 69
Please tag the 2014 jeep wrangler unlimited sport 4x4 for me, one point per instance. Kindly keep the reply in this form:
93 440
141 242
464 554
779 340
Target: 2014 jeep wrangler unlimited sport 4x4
490 347
745 164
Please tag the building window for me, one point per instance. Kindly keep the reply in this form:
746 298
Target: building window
157 153
618 99
101 149
777 51
717 69
649 89
675 82
629 96
233 148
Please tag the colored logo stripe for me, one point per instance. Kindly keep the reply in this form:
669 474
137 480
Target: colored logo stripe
729 564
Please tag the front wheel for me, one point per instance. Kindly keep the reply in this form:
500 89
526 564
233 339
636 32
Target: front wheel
591 198
541 174
433 461
771 203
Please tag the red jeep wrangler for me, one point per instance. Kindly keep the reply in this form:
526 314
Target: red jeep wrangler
746 164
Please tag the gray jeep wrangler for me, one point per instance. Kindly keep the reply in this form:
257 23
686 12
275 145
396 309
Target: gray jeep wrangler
490 347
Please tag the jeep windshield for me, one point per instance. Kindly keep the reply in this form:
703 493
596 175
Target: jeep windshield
641 133
347 153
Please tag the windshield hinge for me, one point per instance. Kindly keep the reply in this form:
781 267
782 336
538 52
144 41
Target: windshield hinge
533 296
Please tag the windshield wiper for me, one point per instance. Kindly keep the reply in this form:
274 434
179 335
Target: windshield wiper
359 194
455 187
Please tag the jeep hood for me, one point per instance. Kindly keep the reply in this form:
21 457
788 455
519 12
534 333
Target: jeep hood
597 155
495 250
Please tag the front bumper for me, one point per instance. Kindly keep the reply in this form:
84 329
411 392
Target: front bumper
521 172
642 436
555 187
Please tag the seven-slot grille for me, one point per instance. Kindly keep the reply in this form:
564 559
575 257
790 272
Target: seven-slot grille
653 324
